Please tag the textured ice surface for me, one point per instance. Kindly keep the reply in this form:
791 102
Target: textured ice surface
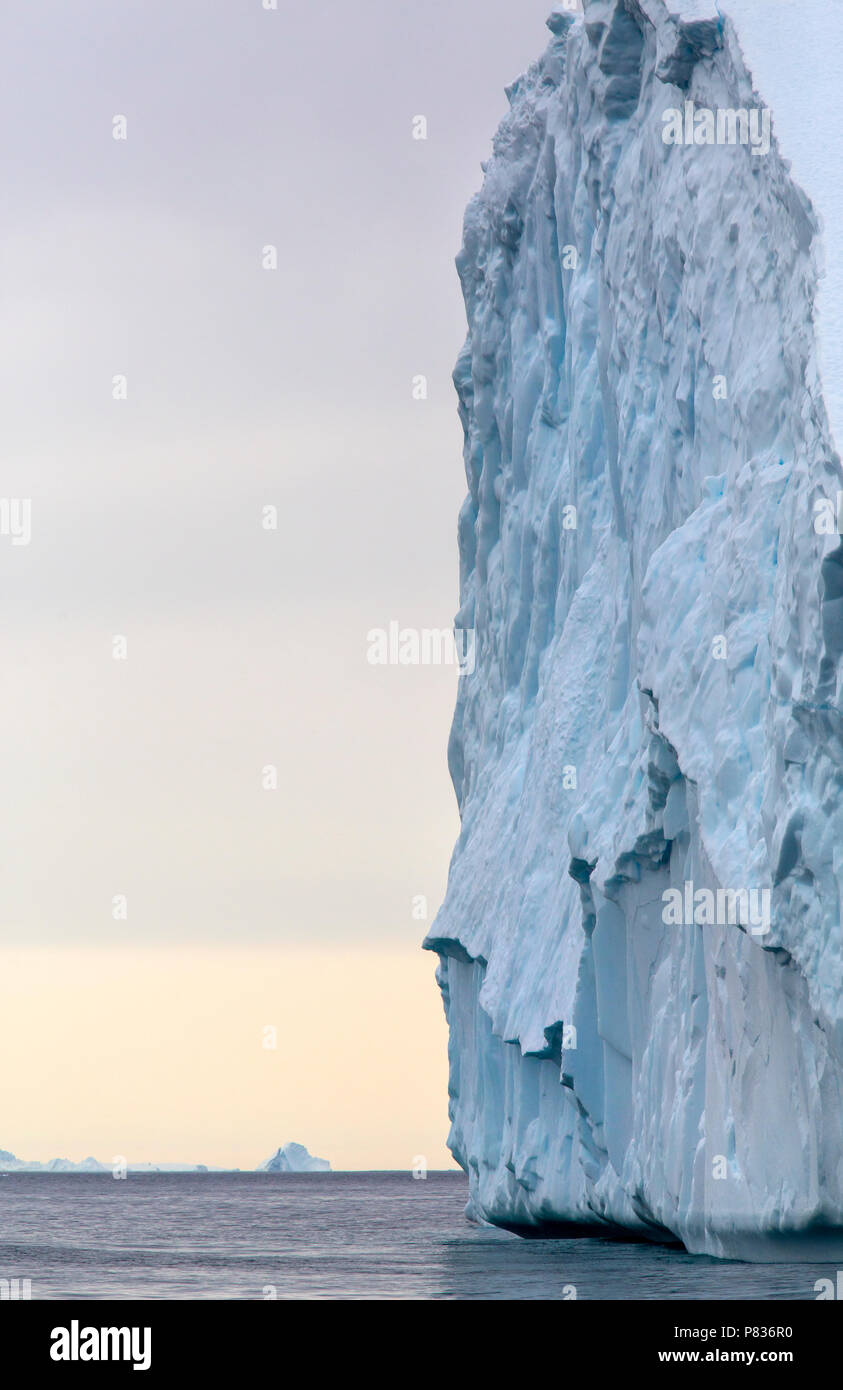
793 50
656 699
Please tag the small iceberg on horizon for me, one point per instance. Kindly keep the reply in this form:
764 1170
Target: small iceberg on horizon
294 1158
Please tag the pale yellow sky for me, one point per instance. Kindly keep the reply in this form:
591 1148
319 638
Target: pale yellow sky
157 1053
245 648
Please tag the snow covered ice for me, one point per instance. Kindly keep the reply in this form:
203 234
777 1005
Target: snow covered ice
651 392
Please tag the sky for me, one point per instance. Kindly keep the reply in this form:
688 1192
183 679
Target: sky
218 815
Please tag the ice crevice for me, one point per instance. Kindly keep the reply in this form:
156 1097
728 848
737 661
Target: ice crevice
648 397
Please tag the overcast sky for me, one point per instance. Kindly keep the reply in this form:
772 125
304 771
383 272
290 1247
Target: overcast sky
245 387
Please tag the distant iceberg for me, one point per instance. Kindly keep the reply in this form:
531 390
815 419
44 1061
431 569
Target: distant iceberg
294 1158
10 1164
64 1165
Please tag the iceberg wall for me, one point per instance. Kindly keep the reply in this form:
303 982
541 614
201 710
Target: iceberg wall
640 947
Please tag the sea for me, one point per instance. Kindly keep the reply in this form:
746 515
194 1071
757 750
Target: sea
327 1236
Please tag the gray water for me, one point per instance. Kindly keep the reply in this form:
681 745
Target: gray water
322 1236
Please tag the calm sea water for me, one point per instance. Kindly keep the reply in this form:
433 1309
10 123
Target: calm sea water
333 1235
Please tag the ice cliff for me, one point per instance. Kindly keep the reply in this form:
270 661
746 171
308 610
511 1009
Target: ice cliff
649 393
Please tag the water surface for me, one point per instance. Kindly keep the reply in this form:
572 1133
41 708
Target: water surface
327 1236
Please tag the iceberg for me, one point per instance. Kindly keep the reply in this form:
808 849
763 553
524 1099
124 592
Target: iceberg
65 1165
10 1164
294 1158
640 947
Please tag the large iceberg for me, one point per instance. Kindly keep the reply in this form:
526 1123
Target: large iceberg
640 948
